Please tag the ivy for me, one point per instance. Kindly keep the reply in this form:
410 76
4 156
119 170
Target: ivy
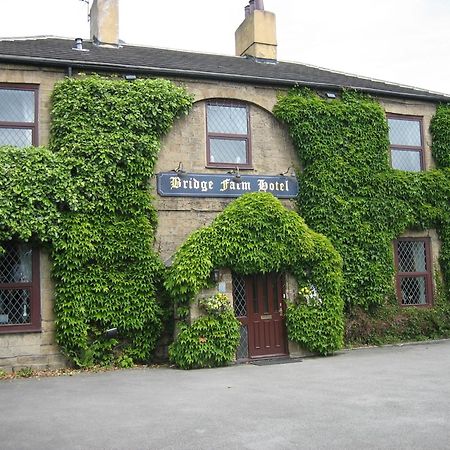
34 189
88 197
255 234
349 192
210 341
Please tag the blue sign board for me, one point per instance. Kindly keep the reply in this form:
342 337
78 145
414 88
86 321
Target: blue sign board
174 184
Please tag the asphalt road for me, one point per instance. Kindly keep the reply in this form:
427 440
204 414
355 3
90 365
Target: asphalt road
378 398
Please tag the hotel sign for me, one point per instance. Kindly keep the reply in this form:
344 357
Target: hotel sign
173 184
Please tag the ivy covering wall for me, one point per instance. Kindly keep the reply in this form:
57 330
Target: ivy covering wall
88 197
349 192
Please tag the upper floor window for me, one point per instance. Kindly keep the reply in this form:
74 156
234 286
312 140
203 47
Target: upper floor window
18 115
228 135
406 138
413 265
19 288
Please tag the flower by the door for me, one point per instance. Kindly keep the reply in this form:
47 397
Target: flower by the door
309 295
216 304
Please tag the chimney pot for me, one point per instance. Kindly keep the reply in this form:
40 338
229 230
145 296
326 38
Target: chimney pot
259 4
247 11
252 6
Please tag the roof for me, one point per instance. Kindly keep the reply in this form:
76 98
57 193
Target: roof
60 52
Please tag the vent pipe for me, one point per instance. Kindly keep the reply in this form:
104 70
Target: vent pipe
78 44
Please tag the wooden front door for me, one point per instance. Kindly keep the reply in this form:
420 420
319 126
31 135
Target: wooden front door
265 309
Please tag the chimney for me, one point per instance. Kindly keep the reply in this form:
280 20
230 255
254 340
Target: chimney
104 17
256 35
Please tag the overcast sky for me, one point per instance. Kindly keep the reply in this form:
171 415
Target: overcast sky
403 41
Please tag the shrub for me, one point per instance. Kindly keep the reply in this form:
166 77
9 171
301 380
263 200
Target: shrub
211 341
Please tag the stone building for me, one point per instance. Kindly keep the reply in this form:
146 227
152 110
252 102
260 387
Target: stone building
229 136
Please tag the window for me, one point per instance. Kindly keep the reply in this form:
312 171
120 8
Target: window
19 288
228 135
18 115
405 136
413 265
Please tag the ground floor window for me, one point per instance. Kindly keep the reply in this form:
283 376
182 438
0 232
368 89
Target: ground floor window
413 267
19 288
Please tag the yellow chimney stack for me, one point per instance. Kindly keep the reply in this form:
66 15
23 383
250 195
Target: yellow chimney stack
256 36
104 17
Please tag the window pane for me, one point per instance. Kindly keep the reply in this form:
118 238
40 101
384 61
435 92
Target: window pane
406 160
404 132
240 302
15 306
413 290
227 119
411 256
15 264
242 350
228 151
17 137
16 105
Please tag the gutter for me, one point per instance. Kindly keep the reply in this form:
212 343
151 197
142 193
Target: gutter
214 76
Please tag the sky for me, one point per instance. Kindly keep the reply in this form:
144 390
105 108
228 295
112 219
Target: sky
403 41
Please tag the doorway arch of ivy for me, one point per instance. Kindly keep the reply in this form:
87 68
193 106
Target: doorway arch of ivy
257 234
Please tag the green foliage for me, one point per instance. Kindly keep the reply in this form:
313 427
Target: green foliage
211 341
392 323
440 129
3 374
349 193
34 189
125 362
255 234
88 195
25 372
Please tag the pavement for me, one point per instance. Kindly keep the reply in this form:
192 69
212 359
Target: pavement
394 397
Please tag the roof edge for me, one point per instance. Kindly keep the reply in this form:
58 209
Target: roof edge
183 73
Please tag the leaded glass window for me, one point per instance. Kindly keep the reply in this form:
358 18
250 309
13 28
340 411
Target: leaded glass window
19 288
228 134
18 115
240 310
405 136
413 263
